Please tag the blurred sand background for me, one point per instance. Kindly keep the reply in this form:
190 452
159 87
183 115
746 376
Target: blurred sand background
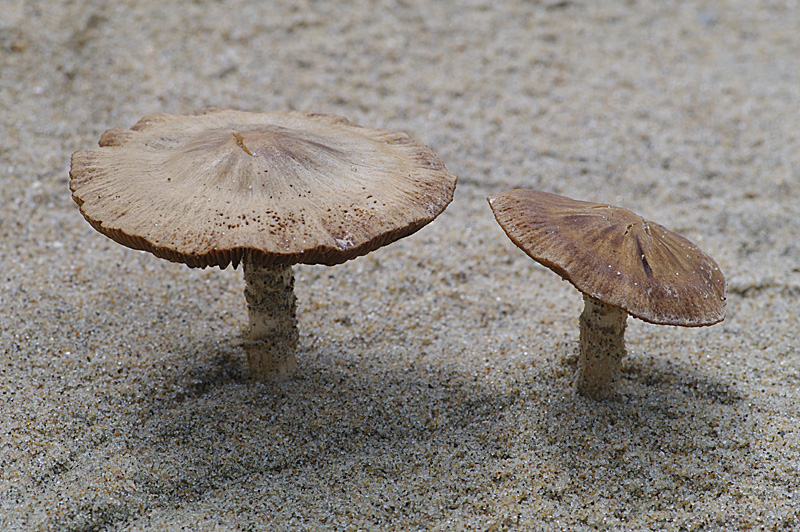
434 390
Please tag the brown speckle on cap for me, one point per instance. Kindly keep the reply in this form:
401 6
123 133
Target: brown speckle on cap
281 185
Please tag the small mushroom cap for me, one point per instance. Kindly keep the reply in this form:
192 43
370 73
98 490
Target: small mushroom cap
286 186
616 257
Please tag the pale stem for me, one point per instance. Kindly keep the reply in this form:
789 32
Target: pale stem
602 347
271 304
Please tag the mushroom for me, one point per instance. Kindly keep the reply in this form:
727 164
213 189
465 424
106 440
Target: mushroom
267 190
621 263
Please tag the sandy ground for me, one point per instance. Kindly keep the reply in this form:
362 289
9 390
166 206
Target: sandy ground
435 383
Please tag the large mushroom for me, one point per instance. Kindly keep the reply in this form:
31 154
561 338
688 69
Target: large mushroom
622 263
267 190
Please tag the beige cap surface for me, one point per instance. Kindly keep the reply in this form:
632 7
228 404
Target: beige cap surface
288 187
616 257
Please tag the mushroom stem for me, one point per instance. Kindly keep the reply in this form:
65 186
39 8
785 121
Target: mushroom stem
272 336
602 346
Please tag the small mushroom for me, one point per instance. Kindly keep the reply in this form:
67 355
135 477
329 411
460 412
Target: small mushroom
269 190
622 263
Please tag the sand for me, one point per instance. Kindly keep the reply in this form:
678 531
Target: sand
435 381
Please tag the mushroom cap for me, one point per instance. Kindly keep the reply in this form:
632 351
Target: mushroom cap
287 187
616 256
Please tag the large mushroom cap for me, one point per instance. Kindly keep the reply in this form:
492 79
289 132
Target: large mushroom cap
616 257
287 187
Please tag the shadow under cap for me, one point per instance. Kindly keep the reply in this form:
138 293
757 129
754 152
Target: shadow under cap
615 256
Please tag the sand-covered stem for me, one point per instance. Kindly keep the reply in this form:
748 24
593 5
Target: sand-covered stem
272 335
602 345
